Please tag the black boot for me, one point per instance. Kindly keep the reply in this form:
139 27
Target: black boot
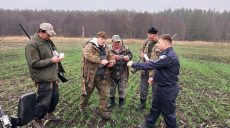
121 103
142 105
111 103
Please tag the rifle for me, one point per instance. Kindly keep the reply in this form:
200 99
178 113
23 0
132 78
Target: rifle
174 35
61 71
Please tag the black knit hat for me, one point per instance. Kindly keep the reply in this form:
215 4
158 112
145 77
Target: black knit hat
152 30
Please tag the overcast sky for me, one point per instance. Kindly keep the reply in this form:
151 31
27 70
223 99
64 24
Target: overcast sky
137 5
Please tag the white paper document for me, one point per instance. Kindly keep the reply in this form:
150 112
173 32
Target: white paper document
61 55
146 57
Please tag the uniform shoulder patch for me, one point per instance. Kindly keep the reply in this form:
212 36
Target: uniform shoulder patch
162 56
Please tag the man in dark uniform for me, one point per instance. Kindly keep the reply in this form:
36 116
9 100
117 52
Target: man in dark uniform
166 77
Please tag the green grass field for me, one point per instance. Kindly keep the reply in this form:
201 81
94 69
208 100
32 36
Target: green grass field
203 101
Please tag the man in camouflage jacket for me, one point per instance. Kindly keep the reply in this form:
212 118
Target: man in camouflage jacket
119 72
148 48
95 72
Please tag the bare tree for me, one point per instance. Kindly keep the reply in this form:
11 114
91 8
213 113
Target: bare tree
188 24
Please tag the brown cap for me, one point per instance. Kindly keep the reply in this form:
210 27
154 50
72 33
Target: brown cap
102 34
48 28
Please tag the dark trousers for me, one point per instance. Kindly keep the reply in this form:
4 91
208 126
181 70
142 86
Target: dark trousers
164 102
47 98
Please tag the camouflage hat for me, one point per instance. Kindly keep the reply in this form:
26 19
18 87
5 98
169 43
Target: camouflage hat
116 38
48 28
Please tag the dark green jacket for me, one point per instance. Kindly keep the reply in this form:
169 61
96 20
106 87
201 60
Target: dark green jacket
38 55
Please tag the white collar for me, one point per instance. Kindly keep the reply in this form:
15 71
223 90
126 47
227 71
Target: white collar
94 40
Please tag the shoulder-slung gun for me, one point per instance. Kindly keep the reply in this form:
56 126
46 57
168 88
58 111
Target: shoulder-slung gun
61 71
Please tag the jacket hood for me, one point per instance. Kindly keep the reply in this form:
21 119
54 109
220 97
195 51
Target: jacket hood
94 41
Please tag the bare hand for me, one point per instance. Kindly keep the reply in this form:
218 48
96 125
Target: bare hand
111 64
104 62
126 58
150 81
129 64
56 59
117 57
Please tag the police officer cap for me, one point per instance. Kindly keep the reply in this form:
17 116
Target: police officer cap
152 30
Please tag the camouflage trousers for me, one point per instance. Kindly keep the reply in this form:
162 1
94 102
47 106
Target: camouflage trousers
120 84
144 86
102 87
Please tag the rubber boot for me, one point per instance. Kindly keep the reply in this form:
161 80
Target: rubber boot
121 103
142 105
111 103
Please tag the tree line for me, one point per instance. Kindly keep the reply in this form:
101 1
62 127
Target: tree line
188 24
